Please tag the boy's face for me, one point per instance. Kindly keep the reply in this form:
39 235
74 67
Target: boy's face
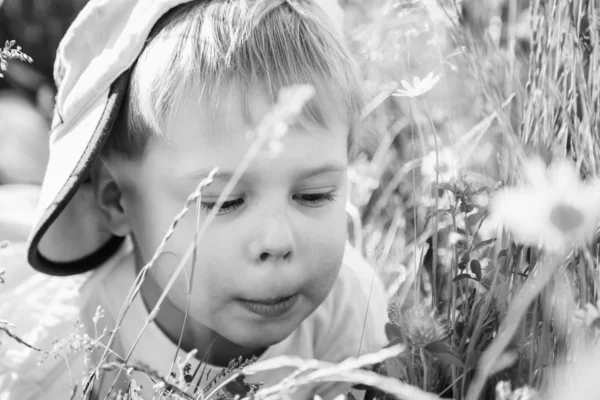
273 252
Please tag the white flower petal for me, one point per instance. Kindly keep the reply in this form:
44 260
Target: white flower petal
563 175
490 228
434 81
401 93
587 201
536 172
530 212
523 212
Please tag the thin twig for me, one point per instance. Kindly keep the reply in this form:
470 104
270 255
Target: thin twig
18 339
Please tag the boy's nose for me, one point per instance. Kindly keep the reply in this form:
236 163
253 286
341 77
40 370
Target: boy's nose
266 255
274 241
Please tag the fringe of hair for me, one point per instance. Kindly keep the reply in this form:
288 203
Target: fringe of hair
203 48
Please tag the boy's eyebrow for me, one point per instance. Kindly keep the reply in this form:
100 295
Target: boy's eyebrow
224 175
324 169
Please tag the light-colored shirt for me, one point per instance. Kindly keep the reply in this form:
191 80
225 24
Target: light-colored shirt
44 309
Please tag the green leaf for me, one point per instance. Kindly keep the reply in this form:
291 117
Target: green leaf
446 186
238 387
501 253
396 367
464 261
392 331
465 258
472 359
476 268
437 213
480 190
466 207
444 352
483 243
393 342
460 277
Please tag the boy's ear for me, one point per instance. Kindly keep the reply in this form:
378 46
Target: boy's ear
109 199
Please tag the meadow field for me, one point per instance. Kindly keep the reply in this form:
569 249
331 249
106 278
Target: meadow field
474 194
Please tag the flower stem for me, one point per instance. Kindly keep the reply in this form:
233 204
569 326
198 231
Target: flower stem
425 366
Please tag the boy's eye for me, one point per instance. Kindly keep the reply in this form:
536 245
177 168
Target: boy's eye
227 206
314 199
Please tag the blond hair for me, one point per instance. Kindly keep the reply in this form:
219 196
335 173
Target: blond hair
210 45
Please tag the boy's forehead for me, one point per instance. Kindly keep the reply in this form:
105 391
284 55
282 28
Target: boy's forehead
233 112
220 129
203 135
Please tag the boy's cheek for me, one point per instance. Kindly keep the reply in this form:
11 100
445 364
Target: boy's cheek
327 244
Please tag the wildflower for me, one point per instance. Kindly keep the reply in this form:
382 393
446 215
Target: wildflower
504 392
8 53
418 87
445 166
98 315
554 209
421 326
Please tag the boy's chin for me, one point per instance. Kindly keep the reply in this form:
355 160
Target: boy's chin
263 335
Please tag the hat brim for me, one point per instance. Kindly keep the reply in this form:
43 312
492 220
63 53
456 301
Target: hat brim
69 164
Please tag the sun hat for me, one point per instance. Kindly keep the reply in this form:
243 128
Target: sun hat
91 72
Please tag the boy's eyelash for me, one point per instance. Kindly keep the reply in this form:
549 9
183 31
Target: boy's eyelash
226 207
315 199
310 199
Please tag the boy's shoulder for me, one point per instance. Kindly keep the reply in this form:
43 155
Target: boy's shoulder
45 321
352 318
37 313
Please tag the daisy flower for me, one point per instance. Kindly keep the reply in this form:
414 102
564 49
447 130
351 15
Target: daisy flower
418 87
553 209
445 164
504 392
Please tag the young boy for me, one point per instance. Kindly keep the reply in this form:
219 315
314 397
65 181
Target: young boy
153 94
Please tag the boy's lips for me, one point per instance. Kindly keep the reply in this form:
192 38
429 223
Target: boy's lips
270 307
